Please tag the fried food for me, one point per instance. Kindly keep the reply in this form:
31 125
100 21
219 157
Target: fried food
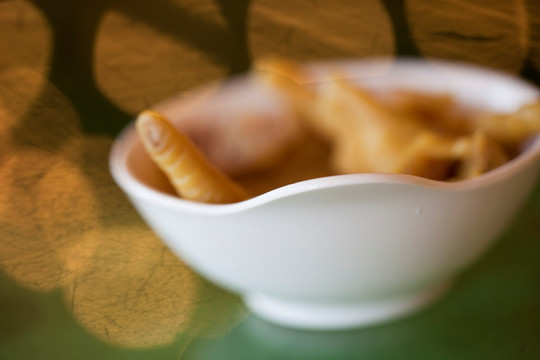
401 132
512 128
287 78
373 137
482 154
240 142
190 173
356 131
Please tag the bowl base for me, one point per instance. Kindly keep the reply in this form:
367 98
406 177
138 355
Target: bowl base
341 316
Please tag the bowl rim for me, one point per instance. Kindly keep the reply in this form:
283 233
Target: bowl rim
127 139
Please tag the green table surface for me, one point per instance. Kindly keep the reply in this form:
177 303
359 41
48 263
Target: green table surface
82 276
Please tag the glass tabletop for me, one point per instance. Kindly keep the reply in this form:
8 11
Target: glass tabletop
83 277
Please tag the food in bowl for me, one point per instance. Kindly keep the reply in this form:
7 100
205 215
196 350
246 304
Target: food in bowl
397 131
402 131
190 173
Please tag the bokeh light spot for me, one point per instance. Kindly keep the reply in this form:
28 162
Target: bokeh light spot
137 65
25 36
493 34
307 30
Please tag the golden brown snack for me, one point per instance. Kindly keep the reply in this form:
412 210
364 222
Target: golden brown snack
426 135
288 79
482 155
284 68
241 140
437 112
432 156
192 176
514 127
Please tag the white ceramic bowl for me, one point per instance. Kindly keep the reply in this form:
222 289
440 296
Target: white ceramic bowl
349 250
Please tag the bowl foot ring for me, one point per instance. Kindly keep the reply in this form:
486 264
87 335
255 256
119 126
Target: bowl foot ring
341 316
